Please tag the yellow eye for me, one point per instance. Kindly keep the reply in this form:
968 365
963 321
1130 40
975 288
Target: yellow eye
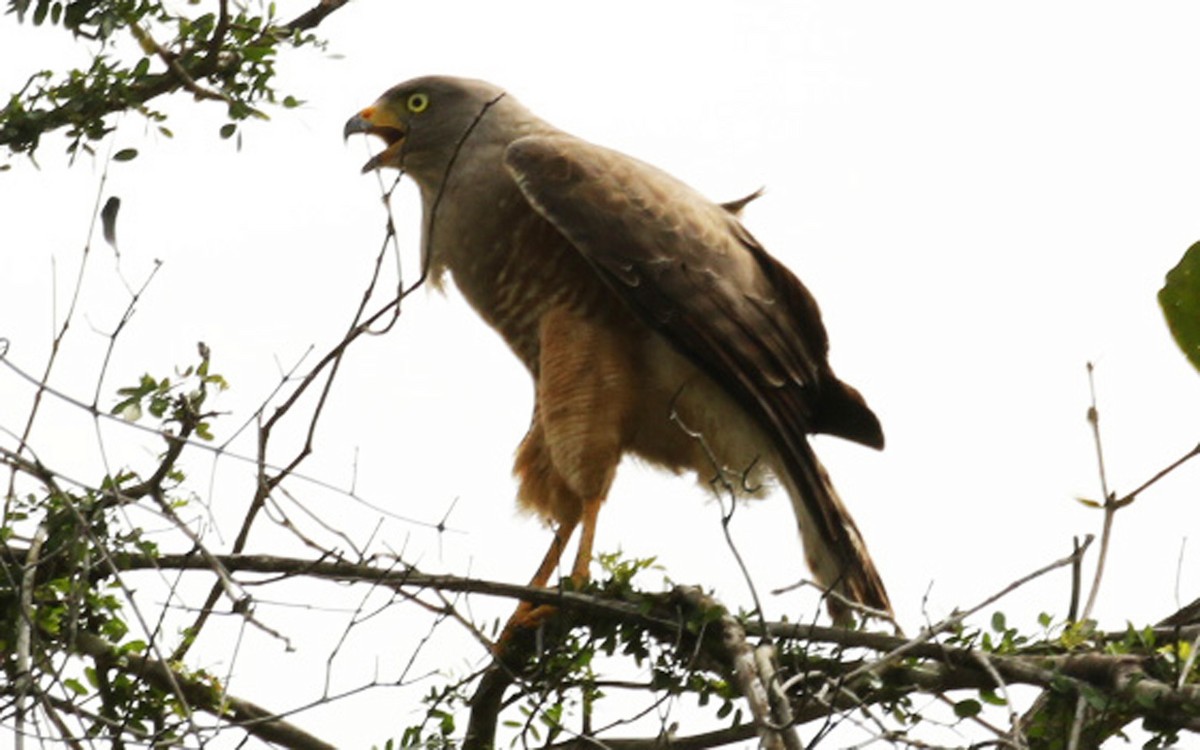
417 102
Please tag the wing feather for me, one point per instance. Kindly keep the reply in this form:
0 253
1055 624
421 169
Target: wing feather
692 272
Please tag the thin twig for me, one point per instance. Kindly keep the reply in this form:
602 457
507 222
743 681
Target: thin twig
1014 719
958 617
720 482
1129 498
57 339
1110 505
1076 582
189 443
25 627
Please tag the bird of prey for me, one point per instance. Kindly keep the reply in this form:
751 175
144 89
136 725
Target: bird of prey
651 320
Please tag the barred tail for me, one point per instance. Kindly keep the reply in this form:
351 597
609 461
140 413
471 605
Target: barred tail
833 546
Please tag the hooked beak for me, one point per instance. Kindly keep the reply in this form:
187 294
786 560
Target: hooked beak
375 121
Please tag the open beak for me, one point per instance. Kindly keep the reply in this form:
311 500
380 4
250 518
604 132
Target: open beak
375 121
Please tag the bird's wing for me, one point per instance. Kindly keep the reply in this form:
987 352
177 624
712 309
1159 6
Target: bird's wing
693 273
690 271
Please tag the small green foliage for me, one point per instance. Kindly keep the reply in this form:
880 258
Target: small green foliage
435 730
1163 739
85 538
230 60
1077 634
176 402
76 593
75 686
965 709
1180 302
620 572
991 698
551 717
156 391
1134 641
1009 640
1097 700
998 622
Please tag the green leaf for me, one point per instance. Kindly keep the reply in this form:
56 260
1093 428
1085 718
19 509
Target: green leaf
115 629
725 709
990 696
228 129
967 708
1145 699
125 154
1094 698
1180 302
998 622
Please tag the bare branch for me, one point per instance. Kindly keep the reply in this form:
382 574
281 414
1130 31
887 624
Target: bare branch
1131 496
312 18
1110 505
958 617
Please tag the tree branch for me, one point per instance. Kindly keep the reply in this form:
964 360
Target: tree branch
312 18
254 719
186 69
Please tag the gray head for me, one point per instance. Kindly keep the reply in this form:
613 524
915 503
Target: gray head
423 120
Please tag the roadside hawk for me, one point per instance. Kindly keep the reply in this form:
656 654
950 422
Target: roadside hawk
651 320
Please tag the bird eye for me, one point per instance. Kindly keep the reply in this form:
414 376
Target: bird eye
418 102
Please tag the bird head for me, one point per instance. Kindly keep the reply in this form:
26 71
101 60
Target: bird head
422 121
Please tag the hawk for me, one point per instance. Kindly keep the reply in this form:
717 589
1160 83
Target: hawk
651 320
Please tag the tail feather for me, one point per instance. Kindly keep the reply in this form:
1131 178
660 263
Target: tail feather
833 545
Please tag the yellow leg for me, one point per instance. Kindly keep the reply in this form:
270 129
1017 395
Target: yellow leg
528 616
587 535
562 535
582 416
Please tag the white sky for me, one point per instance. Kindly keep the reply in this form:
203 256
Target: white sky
982 200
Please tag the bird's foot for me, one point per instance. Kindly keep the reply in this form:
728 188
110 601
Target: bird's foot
526 619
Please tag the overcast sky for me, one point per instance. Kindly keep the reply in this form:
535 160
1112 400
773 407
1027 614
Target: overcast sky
982 198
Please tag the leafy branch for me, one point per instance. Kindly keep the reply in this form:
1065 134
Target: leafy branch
224 55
